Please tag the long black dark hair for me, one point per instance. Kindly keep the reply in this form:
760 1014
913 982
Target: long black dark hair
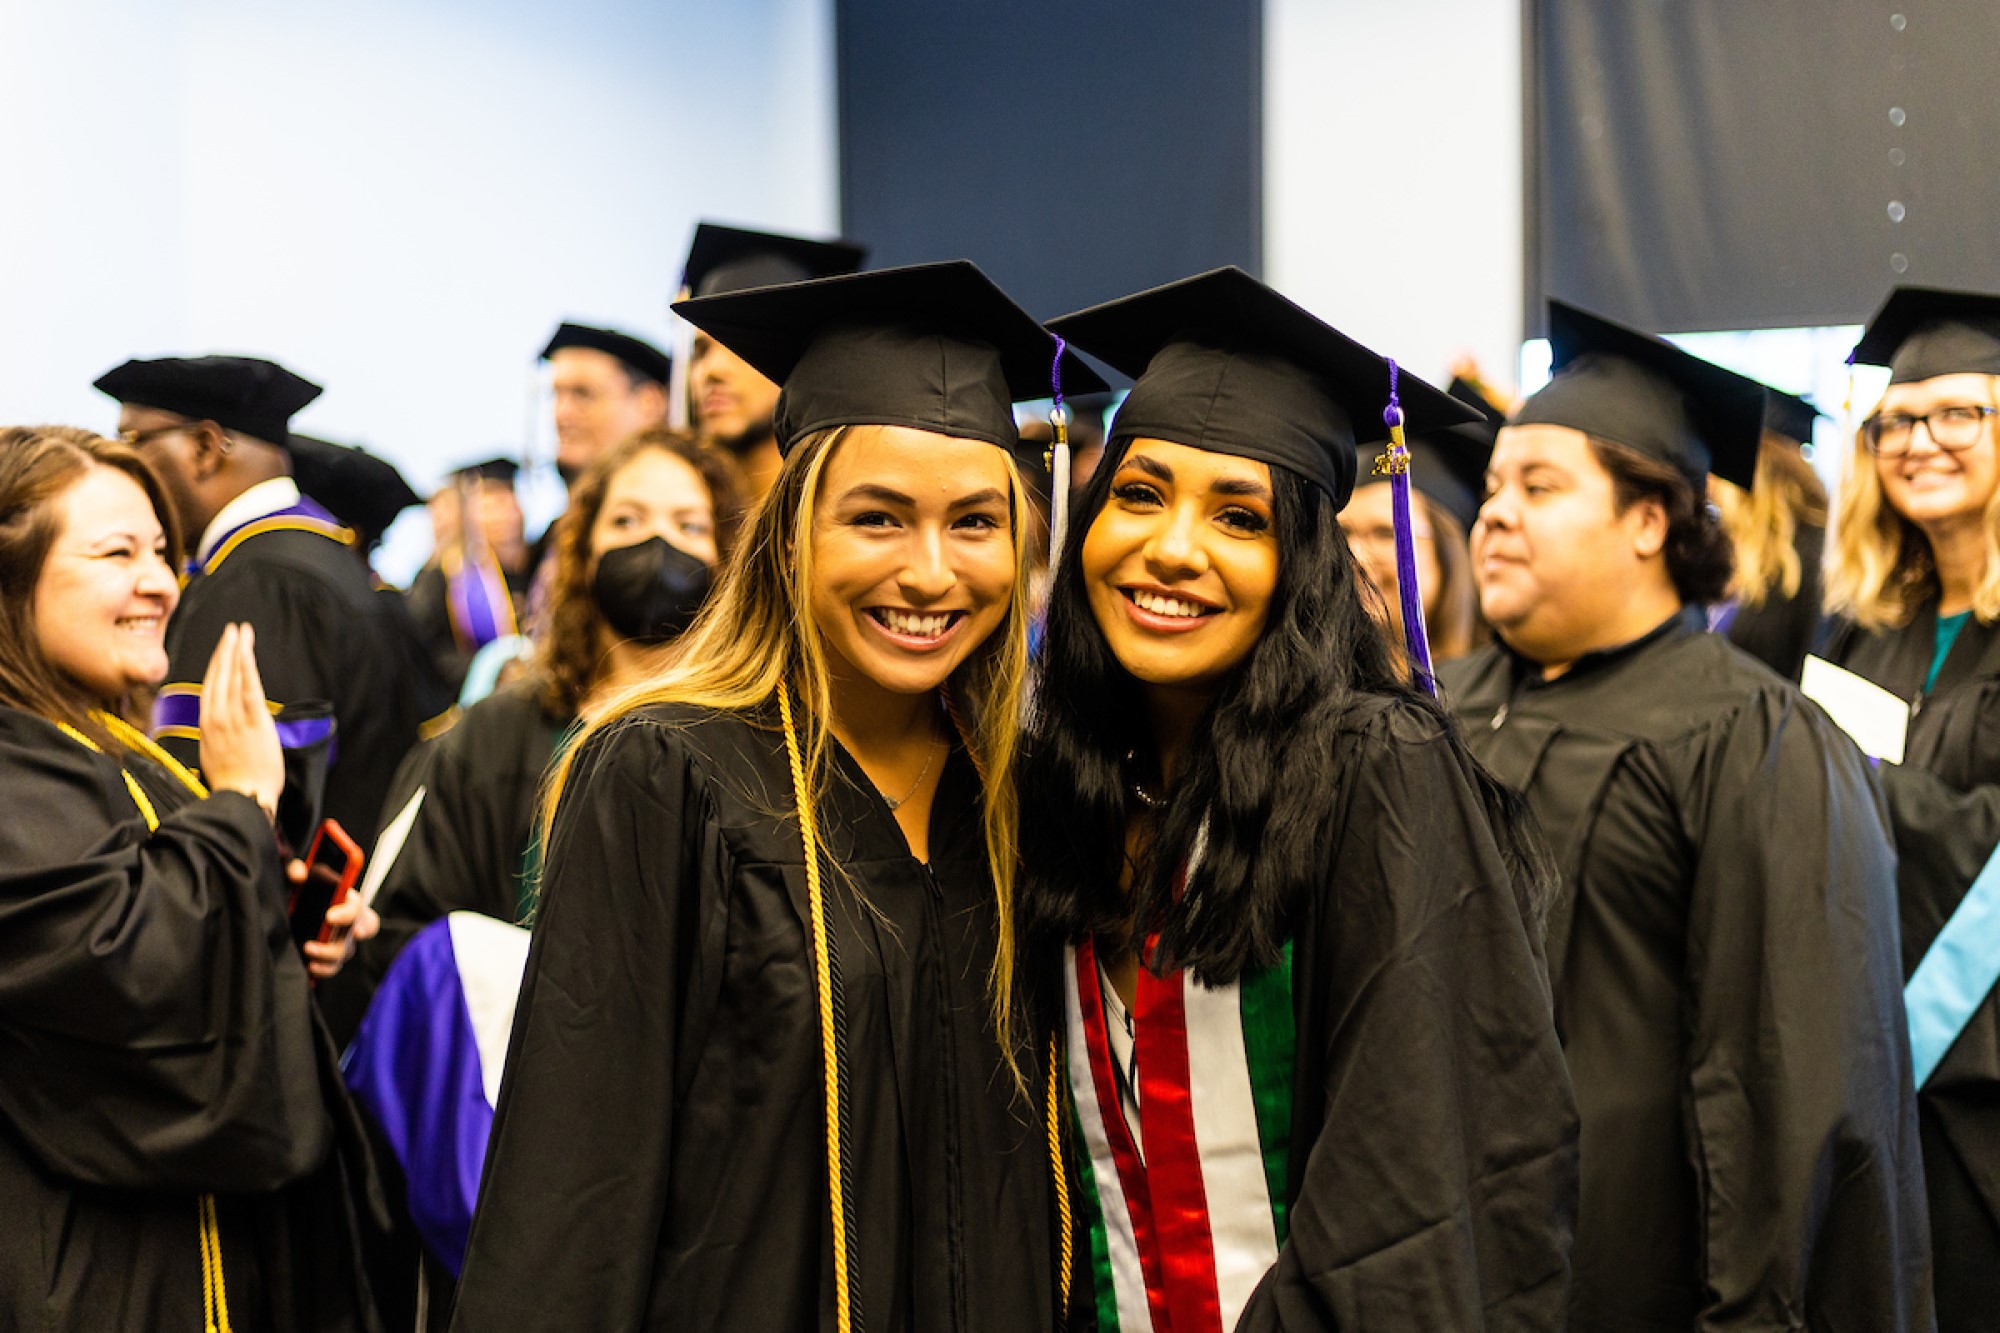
1259 770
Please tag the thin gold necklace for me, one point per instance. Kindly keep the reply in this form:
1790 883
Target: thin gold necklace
896 802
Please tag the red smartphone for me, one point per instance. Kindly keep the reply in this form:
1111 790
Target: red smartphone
333 865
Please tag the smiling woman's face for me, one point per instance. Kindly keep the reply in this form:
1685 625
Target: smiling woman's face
1181 563
105 591
914 555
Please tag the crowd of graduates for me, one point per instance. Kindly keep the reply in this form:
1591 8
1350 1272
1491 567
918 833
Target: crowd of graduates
934 843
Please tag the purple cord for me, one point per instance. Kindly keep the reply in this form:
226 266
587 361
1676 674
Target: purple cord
1407 591
1055 371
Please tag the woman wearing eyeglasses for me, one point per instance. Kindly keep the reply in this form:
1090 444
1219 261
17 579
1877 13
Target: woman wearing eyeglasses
1915 580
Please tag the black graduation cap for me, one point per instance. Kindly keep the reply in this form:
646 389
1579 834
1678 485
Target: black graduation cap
1921 332
1789 415
1224 363
361 490
734 259
491 469
934 346
238 393
1645 393
639 356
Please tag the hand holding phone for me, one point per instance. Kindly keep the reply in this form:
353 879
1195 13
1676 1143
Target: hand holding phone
332 866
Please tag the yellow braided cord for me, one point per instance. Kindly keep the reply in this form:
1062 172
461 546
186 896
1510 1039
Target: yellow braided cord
130 735
843 1310
214 1222
1060 1178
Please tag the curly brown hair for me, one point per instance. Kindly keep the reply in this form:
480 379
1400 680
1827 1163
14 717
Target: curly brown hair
38 464
570 655
1700 558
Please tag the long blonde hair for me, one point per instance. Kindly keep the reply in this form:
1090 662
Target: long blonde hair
756 636
1881 568
1763 522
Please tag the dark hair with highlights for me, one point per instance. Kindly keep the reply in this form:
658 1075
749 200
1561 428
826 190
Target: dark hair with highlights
38 465
1700 557
1259 770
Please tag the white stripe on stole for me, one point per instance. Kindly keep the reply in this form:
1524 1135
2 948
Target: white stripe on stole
1232 1154
1128 1279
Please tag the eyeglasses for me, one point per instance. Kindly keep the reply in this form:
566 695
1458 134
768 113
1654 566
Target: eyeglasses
1382 538
1953 428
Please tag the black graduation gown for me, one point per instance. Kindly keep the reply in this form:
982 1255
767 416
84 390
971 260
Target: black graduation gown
157 1042
1780 632
482 781
1944 803
322 633
1432 1171
658 1158
1727 984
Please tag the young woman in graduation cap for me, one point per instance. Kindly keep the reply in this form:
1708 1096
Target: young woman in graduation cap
1447 477
1722 942
761 1074
1283 926
1915 582
174 1145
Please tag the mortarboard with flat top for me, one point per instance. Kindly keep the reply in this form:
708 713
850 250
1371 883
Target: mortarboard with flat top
1226 364
733 259
1645 393
636 354
238 393
360 489
502 470
937 347
1789 415
1923 332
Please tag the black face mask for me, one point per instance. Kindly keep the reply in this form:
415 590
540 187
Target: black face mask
650 592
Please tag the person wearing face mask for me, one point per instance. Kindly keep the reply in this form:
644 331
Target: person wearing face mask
1915 584
1723 941
174 1145
761 1074
1287 929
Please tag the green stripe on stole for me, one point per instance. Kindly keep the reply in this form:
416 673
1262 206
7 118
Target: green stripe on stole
1103 1287
1270 1043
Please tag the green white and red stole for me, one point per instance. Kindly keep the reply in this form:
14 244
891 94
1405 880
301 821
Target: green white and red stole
1185 1220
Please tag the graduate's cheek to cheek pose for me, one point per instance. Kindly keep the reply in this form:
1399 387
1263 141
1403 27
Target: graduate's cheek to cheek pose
913 556
1563 566
1180 564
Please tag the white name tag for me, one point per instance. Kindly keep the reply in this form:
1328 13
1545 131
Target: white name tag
1878 721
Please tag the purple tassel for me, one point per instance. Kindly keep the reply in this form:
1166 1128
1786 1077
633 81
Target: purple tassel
1415 636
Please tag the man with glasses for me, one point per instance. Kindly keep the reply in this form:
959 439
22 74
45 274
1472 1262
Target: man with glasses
217 430
1915 578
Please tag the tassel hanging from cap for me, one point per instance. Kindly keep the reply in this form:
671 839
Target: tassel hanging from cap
1396 464
1058 458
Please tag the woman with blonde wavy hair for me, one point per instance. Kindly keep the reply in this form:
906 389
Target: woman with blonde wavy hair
1915 580
762 1071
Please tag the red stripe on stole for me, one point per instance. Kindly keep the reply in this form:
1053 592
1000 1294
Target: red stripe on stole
1173 1161
1124 1153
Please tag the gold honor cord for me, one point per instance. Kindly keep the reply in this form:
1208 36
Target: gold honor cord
214 1294
1060 1179
829 1035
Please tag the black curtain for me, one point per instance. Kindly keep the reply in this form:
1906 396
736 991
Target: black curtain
1733 164
1076 152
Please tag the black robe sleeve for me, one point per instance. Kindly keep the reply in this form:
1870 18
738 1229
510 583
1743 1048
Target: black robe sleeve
1801 1120
574 1194
1440 1188
155 1023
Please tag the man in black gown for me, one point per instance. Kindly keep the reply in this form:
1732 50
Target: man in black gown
1723 947
216 428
